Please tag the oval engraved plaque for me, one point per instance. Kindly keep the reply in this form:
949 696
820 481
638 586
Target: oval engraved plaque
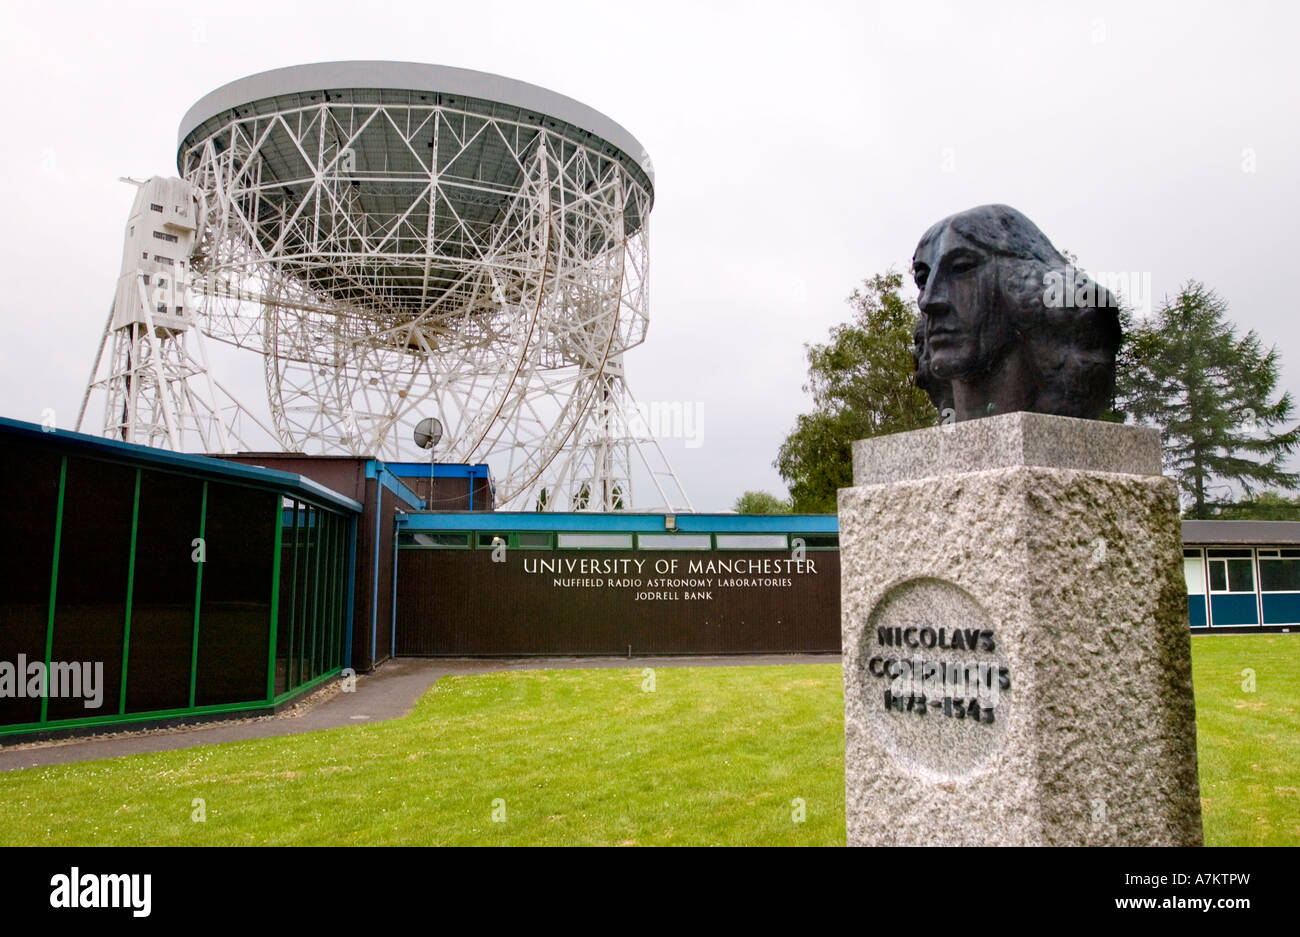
936 684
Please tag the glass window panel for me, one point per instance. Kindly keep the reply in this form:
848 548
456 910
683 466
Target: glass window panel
318 605
332 604
336 526
235 607
288 572
674 541
1279 575
534 539
595 541
323 591
90 608
820 541
308 584
490 538
324 586
162 604
299 573
1194 575
1218 576
341 595
420 538
1227 553
1241 576
340 572
30 475
752 542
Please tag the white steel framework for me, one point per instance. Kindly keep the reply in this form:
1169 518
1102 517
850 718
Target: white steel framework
396 254
155 382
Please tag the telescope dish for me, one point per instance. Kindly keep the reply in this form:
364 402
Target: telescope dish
427 432
396 238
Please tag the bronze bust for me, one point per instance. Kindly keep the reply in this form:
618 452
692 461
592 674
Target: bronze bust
1007 323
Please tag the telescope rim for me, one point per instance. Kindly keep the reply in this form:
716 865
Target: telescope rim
416 78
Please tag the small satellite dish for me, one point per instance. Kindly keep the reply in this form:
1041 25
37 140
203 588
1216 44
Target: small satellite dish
427 433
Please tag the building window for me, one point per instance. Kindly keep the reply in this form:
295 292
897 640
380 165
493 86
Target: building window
439 541
752 542
146 279
819 541
162 307
594 541
1231 571
674 542
154 207
1279 570
169 238
518 539
1194 572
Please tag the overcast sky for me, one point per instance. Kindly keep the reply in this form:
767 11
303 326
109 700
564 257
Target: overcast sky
798 148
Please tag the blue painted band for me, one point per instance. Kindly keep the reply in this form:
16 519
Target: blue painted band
640 523
382 472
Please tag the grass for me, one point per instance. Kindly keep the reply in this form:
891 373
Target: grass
1248 739
711 756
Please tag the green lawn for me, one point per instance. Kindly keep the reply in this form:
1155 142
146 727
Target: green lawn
726 755
1248 740
712 755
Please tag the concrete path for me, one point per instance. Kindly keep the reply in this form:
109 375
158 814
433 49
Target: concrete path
389 692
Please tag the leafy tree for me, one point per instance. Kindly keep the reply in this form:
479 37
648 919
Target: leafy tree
761 502
1267 506
861 384
1211 393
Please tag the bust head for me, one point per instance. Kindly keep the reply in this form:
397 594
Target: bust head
1007 323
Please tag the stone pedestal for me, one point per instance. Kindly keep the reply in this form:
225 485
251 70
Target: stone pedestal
1016 649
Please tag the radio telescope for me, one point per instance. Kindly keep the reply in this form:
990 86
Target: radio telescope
397 239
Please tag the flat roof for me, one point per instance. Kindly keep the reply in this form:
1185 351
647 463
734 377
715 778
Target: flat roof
561 112
440 469
1277 533
201 465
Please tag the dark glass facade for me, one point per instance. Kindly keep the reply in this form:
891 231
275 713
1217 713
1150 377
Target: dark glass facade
138 587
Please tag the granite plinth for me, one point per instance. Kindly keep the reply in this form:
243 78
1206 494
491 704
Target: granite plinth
1016 649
